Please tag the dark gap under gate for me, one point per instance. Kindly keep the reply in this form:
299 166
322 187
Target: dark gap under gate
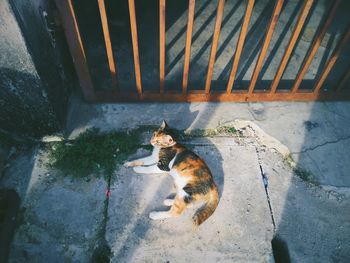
201 50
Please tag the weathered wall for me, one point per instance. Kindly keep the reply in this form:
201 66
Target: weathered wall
33 84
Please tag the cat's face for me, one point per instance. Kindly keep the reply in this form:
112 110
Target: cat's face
161 138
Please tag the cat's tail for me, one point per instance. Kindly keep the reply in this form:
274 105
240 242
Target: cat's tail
204 212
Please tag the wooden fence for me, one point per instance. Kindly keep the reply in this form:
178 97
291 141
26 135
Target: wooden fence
338 92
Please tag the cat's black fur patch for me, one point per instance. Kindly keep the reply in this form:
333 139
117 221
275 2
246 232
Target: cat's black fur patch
187 199
201 172
182 156
165 157
202 187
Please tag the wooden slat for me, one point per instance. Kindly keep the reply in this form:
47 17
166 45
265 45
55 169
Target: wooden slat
263 52
343 80
161 44
201 96
240 43
295 35
190 20
135 46
335 55
76 47
108 44
314 47
214 45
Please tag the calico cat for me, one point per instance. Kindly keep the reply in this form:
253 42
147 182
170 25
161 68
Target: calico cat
192 177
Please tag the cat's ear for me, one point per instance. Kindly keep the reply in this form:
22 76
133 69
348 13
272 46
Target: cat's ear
164 125
169 140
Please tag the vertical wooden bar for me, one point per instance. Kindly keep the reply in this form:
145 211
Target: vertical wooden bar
135 46
161 44
190 20
335 55
314 47
214 45
76 47
240 43
343 80
107 39
295 35
268 37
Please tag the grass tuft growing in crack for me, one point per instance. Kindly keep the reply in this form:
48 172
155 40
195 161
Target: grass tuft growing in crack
302 173
93 152
305 175
224 130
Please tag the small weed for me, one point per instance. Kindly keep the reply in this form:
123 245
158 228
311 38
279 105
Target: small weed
300 172
290 161
221 130
305 175
230 130
93 152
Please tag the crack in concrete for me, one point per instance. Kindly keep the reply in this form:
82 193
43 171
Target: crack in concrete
102 251
335 113
322 144
266 183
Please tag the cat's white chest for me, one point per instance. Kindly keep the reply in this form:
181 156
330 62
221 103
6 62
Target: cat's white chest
155 152
180 181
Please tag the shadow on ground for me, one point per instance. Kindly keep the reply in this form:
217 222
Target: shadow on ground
309 201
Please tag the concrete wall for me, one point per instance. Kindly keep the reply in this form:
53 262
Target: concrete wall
33 78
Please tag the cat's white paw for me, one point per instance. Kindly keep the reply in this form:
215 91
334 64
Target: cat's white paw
127 164
158 215
168 202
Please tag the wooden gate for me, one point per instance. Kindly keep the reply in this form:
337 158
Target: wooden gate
273 93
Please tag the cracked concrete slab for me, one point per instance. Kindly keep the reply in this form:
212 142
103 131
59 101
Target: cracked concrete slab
312 220
332 171
240 230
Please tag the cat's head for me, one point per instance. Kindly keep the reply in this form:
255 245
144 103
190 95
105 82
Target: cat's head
162 137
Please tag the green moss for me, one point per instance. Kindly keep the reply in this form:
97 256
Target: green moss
289 161
93 152
305 175
220 130
300 172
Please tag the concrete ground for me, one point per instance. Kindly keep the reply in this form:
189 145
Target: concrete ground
61 217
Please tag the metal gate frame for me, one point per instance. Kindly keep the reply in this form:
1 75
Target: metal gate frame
294 94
